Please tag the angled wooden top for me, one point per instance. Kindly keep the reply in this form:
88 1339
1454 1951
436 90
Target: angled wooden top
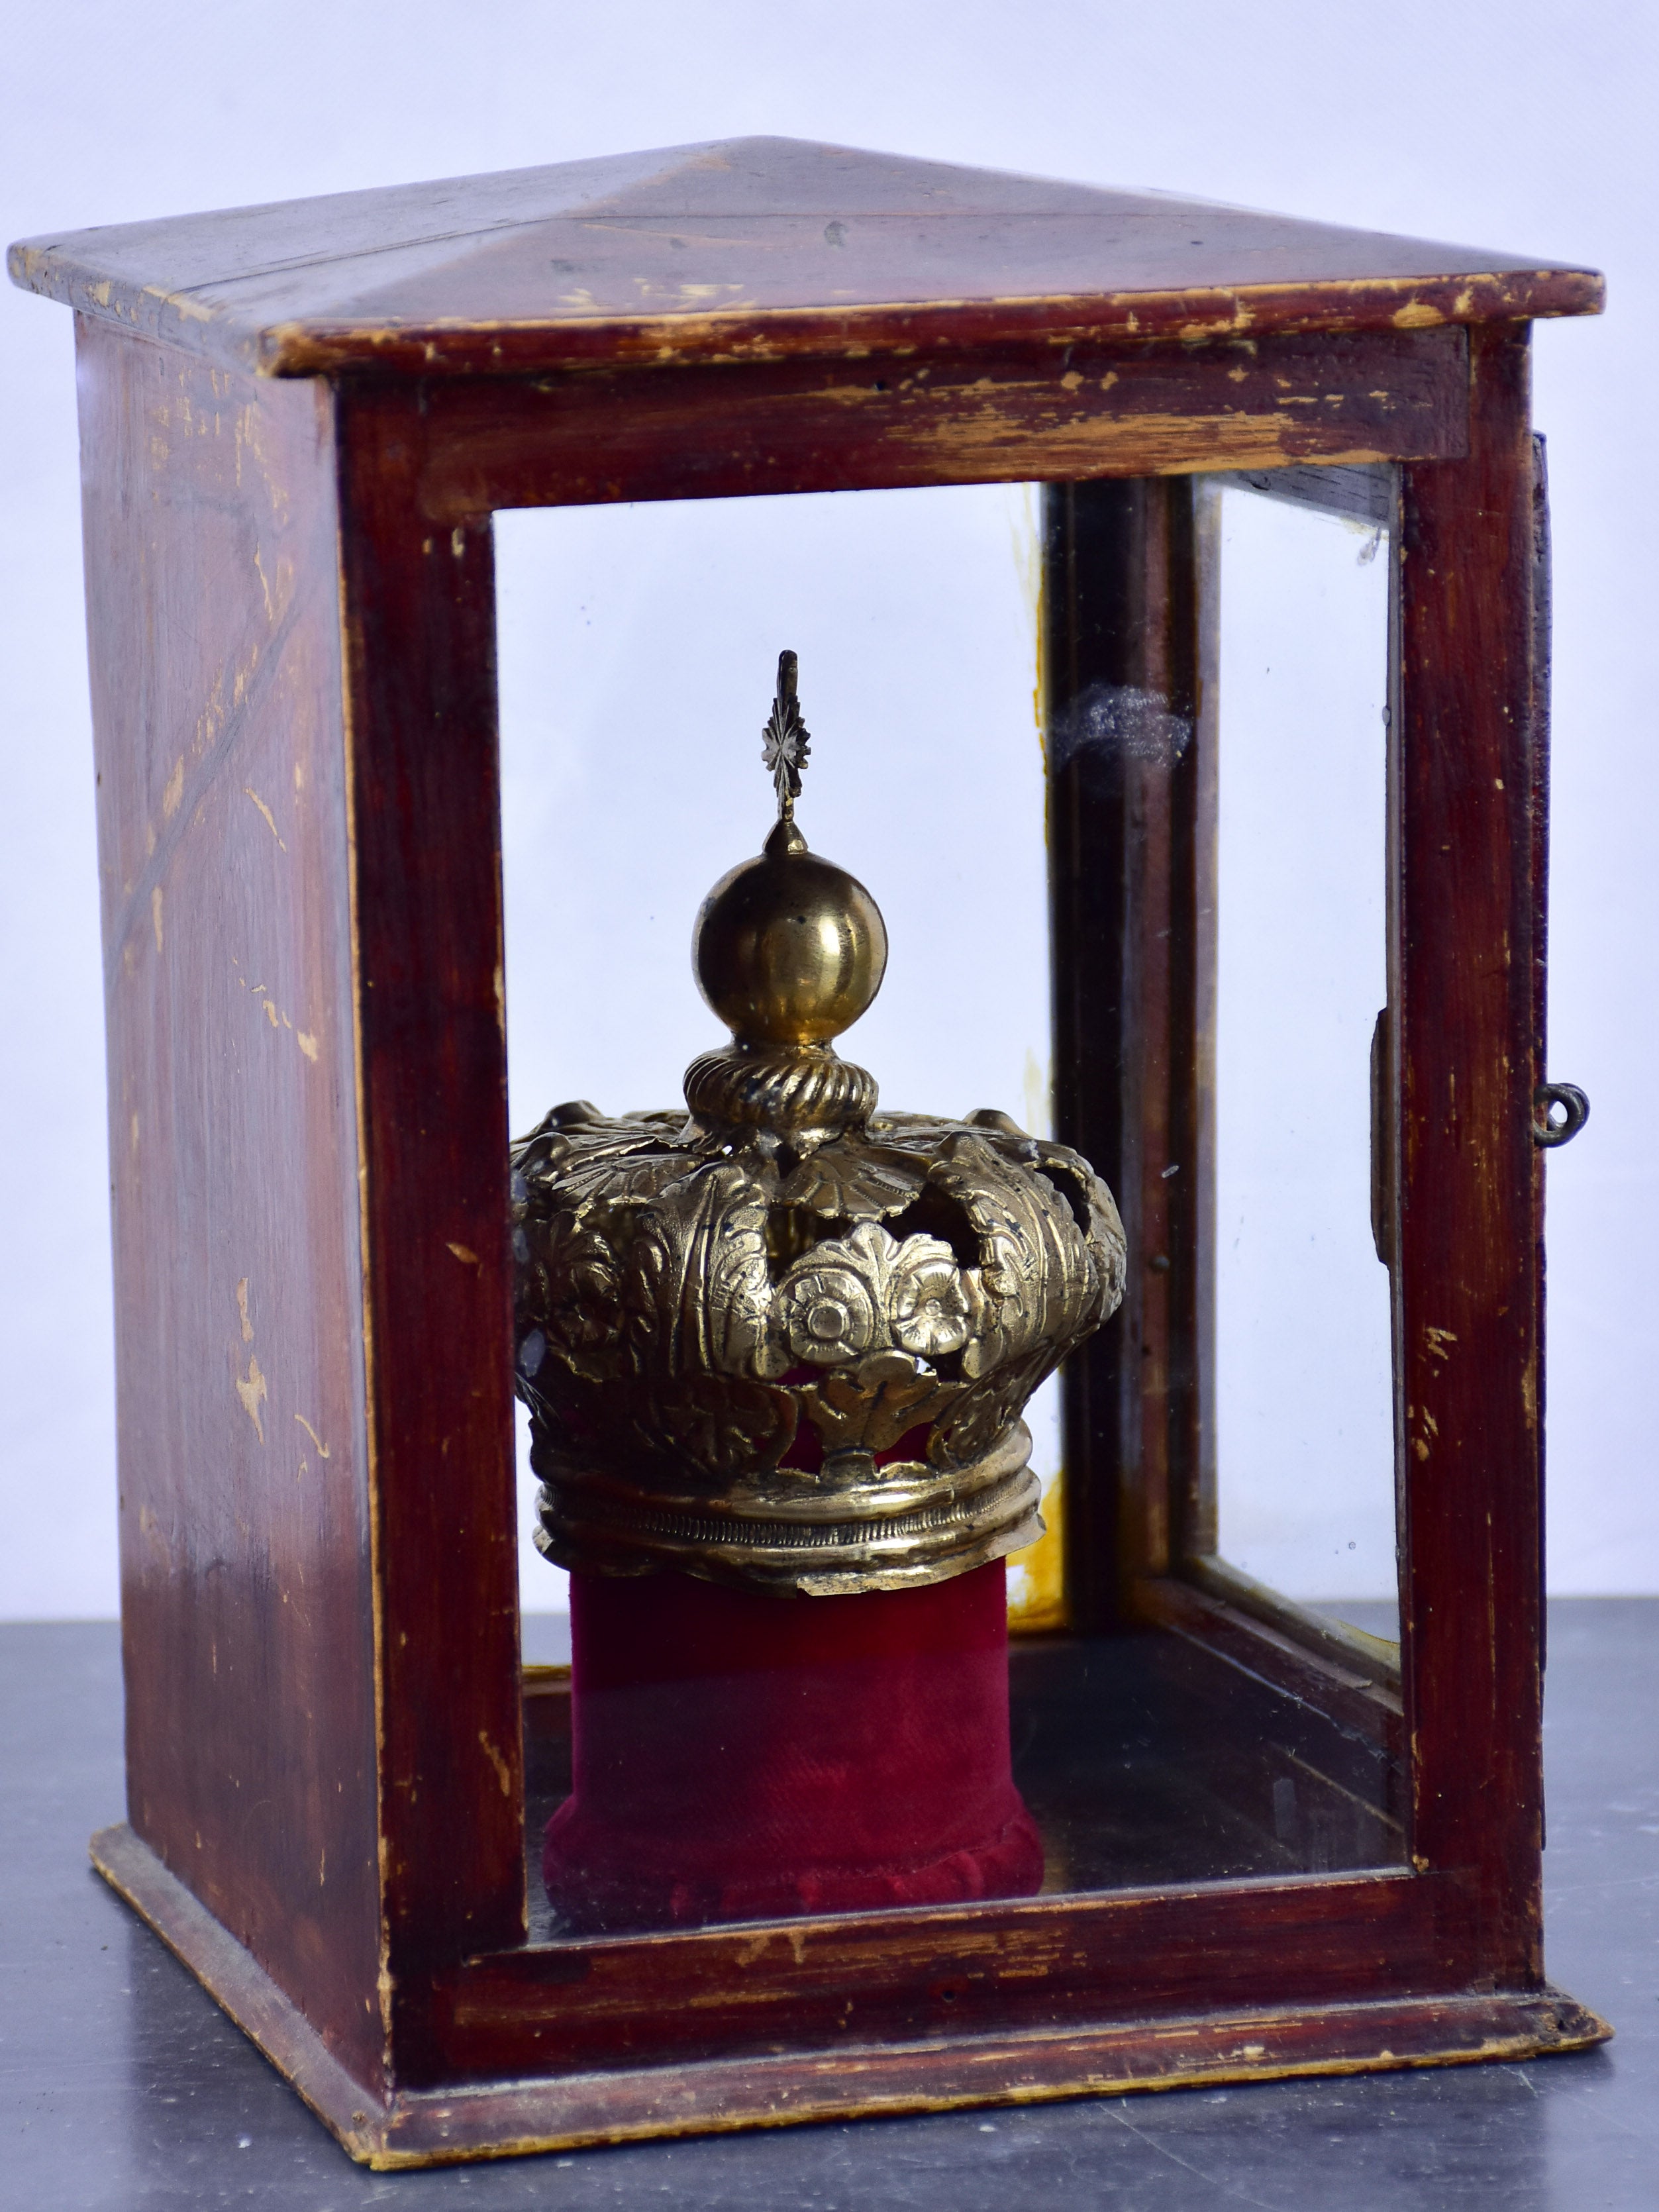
753 248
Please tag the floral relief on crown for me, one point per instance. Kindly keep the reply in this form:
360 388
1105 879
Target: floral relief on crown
724 1378
786 1342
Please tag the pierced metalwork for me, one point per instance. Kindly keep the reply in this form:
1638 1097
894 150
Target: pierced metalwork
787 1341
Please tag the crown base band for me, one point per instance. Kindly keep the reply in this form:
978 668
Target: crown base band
587 1527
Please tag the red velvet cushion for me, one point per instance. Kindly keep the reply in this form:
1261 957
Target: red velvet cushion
737 1756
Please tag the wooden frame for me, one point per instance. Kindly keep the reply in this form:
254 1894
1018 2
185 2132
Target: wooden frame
290 585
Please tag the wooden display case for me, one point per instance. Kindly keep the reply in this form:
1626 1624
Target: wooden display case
297 423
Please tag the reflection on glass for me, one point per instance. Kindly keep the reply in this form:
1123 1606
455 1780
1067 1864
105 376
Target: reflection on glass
776 1346
1304 1444
746 1737
629 641
1036 1575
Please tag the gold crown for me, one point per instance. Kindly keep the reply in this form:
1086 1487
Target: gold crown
788 1342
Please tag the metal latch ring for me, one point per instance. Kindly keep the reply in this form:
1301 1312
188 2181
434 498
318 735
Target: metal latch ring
1574 1111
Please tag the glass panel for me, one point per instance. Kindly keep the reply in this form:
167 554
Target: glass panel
1036 1575
733 1756
636 650
1304 1424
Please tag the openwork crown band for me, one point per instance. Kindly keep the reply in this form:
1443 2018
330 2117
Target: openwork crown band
787 1341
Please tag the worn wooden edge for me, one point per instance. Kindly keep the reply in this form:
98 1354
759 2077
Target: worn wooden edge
242 1987
432 2127
905 327
520 346
510 2118
418 631
1322 1679
1468 1430
1339 1641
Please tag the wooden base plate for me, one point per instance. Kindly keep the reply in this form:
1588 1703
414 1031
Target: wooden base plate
499 2119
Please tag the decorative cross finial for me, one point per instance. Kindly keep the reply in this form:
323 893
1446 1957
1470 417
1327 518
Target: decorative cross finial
787 740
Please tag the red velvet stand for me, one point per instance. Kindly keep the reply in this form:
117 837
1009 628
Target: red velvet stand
737 1756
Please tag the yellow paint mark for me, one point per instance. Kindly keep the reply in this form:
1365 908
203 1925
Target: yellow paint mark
270 819
751 1947
254 1394
502 1773
241 1308
149 838
467 1257
1435 1341
259 568
270 1014
322 1449
307 1042
1155 443
457 542
299 775
135 1136
1419 1448
1416 315
156 914
690 293
1071 381
211 720
797 1944
1036 1576
175 790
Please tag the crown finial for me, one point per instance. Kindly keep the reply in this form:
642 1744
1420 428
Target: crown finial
788 948
785 740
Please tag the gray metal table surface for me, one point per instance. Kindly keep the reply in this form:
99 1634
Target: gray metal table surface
127 2088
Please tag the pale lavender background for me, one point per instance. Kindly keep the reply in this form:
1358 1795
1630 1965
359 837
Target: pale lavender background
1519 125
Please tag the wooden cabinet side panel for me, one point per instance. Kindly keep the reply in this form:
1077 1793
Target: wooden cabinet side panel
420 611
211 565
1469 918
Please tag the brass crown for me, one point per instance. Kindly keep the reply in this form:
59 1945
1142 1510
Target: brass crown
786 1342
789 950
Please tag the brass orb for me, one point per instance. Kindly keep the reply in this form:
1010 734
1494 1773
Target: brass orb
788 948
